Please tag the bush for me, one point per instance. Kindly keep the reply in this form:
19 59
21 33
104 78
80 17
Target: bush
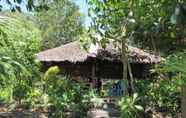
161 95
21 90
6 95
65 95
129 106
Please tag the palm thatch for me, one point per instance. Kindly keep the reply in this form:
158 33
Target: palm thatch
73 52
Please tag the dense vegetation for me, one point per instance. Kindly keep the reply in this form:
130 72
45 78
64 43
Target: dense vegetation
20 78
158 26
20 40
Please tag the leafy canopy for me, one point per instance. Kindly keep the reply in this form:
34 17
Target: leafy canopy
146 23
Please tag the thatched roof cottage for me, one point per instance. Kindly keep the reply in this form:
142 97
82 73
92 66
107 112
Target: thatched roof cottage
97 62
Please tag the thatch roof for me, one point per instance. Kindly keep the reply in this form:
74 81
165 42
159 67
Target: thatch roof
73 52
135 55
70 52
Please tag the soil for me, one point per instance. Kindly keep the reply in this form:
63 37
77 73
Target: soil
6 112
23 112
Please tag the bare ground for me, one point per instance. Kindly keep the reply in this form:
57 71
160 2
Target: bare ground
6 112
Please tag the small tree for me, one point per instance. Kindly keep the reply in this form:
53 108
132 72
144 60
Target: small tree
112 23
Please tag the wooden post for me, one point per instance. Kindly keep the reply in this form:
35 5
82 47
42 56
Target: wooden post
131 78
93 73
183 102
125 68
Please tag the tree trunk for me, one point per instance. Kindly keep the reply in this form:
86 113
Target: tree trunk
183 103
131 78
125 71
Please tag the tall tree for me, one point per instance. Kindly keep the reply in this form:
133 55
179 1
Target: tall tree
60 23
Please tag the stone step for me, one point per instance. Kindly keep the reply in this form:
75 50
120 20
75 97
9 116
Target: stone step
104 113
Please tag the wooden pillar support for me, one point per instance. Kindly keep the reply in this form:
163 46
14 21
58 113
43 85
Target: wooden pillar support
93 73
131 78
125 67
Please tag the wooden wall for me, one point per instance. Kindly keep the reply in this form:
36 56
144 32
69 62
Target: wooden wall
113 70
104 69
68 68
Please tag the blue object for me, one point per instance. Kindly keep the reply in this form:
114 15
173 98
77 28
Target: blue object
117 89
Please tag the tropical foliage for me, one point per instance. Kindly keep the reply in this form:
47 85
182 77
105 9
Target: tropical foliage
19 42
155 25
66 95
129 106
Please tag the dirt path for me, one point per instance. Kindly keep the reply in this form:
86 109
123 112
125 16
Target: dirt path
101 113
108 112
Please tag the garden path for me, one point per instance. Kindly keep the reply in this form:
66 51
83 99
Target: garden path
108 111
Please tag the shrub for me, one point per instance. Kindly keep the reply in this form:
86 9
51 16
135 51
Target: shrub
161 95
129 106
21 90
65 94
6 95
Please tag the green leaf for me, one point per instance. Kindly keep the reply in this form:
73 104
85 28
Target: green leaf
172 35
139 107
